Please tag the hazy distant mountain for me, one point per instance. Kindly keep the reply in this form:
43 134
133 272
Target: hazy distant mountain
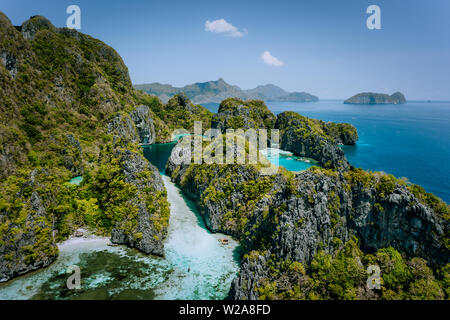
269 91
298 97
216 91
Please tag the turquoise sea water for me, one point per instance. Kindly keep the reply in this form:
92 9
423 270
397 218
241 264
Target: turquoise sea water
410 140
196 265
288 159
76 180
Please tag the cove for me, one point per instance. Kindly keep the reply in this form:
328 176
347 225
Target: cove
196 265
288 159
76 180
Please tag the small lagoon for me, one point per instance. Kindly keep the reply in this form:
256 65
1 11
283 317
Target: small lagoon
76 180
196 265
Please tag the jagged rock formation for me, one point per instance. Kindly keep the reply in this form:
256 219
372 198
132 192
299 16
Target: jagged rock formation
376 98
145 227
300 135
144 124
237 114
146 235
329 207
292 218
67 107
73 155
311 138
29 244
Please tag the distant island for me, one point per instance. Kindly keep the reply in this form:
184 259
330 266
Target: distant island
217 91
297 97
376 98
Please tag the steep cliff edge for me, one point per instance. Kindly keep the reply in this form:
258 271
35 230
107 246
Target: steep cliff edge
143 224
60 94
301 135
315 139
27 242
301 234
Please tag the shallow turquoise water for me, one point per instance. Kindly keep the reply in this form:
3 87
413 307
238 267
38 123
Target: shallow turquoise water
76 180
158 154
288 160
410 140
196 265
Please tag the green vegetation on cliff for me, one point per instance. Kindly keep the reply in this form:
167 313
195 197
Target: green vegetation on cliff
59 91
343 275
243 114
313 234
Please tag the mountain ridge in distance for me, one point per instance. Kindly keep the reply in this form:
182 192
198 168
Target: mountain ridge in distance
216 91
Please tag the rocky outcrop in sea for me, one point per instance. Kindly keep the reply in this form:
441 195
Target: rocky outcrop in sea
376 98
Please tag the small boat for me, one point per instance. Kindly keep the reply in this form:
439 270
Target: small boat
223 241
78 234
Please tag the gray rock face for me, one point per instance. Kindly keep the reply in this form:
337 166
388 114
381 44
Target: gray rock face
308 138
144 236
33 247
144 124
238 114
224 119
150 240
10 63
72 155
30 27
137 127
295 218
342 133
307 224
123 128
376 98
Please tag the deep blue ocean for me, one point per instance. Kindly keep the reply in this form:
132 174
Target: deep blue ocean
410 140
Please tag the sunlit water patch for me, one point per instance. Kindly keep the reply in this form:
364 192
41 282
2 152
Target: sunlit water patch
76 180
106 273
203 267
288 159
196 265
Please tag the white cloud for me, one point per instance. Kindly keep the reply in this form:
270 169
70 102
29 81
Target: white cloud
270 59
222 26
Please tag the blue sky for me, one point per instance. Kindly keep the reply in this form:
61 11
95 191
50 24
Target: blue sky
324 47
